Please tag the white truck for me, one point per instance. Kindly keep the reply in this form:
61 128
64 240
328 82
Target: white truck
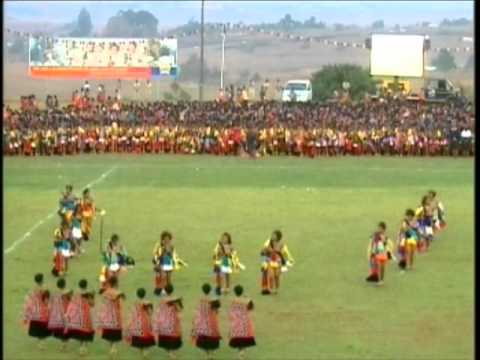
297 91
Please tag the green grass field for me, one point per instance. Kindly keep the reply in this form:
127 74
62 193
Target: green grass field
326 208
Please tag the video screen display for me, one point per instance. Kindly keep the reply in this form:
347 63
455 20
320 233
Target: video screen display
102 57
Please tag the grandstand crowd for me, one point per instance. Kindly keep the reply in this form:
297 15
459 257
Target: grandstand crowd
386 126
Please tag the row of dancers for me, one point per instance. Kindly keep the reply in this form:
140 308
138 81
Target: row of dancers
416 234
275 260
68 315
76 221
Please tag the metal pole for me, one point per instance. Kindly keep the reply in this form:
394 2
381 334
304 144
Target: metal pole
223 59
200 88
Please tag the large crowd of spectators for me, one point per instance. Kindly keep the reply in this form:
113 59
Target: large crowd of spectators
387 126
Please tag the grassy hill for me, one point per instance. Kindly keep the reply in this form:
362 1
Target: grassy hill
247 53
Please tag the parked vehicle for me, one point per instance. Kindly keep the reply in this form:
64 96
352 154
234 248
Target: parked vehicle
297 90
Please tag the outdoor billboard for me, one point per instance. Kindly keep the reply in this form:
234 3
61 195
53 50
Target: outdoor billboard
397 55
102 58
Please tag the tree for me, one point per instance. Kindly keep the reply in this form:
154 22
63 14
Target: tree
244 75
16 49
444 61
377 25
256 77
164 51
311 22
331 78
455 22
132 24
470 63
84 24
190 71
288 23
19 46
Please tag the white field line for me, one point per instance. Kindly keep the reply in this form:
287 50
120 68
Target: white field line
51 215
289 168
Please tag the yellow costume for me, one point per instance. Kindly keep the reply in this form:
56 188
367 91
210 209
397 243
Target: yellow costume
272 259
162 257
227 262
275 259
88 212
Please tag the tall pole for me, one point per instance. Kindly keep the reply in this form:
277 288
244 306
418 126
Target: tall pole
200 88
223 57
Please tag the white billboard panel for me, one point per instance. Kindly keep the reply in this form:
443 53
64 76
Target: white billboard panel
397 55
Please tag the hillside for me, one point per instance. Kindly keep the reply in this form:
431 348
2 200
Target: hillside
249 52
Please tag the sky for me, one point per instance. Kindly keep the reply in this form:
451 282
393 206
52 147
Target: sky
173 13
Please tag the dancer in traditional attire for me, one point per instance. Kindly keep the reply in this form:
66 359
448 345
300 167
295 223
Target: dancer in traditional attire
380 250
276 258
88 209
424 215
402 252
225 262
409 236
76 224
166 322
110 314
242 334
58 307
139 332
439 221
115 261
67 205
36 313
78 318
205 329
62 252
165 261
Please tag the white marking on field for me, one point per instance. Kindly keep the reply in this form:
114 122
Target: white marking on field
49 216
298 168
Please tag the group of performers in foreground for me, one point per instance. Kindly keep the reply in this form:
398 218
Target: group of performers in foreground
416 234
67 315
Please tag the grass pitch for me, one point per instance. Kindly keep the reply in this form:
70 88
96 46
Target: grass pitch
326 208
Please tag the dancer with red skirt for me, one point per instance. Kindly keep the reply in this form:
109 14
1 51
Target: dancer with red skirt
139 331
78 318
242 334
110 314
380 251
58 307
205 330
35 314
62 251
166 323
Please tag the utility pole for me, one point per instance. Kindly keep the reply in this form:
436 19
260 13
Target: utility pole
224 34
200 88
